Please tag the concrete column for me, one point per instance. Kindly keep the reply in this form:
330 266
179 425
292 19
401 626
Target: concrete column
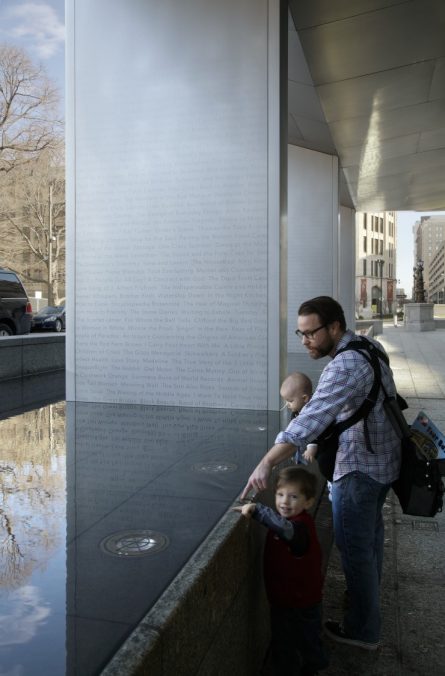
176 198
346 264
313 242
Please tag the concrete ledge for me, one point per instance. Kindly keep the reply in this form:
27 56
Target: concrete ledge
24 394
213 619
369 327
31 354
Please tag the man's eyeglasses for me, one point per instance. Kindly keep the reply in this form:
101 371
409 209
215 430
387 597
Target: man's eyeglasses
309 335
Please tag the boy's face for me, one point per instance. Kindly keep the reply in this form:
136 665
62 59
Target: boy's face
290 501
295 400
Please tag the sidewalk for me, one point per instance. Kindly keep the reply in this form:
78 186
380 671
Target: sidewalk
413 585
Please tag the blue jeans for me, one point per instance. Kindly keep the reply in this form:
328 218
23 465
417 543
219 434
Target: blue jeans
357 502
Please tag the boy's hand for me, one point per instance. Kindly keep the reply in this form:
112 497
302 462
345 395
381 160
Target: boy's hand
246 510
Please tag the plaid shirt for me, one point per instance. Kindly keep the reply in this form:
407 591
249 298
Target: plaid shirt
343 386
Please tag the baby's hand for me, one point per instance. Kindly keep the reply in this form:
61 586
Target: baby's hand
310 452
246 510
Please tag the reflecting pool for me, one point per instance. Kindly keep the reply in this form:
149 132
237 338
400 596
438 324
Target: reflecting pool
92 533
33 542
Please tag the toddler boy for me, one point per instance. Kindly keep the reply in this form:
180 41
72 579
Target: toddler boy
292 573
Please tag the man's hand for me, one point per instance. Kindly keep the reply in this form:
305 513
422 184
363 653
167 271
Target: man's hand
258 480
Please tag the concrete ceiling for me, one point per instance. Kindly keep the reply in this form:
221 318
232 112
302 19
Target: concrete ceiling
367 83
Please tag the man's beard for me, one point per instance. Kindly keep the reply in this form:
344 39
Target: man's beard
321 350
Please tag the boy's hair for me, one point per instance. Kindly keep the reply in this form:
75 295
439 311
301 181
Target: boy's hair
306 481
326 308
297 382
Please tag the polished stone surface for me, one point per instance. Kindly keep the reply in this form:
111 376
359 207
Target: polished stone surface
169 470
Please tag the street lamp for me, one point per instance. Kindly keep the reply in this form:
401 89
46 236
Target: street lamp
380 261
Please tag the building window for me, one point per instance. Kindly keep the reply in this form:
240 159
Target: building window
365 244
364 267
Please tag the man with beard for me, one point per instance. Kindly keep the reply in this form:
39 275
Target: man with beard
363 471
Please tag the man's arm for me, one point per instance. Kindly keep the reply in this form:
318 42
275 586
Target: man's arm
259 478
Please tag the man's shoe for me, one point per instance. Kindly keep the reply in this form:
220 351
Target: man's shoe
336 632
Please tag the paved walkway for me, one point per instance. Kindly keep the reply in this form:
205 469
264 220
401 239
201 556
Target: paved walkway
413 585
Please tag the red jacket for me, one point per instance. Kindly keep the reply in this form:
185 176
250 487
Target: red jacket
293 581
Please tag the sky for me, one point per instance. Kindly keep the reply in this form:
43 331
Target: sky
405 246
39 28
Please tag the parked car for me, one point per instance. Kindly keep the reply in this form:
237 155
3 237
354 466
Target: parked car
49 318
15 308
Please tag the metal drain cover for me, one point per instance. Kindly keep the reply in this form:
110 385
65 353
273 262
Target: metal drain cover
132 543
214 467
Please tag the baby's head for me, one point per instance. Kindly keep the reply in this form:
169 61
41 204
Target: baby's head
296 391
295 490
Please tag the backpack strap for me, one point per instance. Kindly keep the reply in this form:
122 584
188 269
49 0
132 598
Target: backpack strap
372 356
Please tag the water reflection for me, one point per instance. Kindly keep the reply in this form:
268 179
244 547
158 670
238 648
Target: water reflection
91 536
20 615
32 531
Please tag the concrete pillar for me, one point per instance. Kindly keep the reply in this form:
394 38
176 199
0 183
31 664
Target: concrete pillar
346 264
419 317
176 197
313 242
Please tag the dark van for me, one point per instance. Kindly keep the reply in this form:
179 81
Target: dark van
15 308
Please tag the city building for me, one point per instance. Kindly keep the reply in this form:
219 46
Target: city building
436 292
429 239
375 279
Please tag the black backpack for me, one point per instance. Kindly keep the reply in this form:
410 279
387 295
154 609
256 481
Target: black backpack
419 487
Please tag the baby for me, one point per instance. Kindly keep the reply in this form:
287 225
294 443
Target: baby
296 390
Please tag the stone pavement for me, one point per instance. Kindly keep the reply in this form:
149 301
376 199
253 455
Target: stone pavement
413 585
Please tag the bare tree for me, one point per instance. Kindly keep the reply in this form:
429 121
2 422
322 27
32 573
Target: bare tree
32 223
28 122
32 491
32 199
